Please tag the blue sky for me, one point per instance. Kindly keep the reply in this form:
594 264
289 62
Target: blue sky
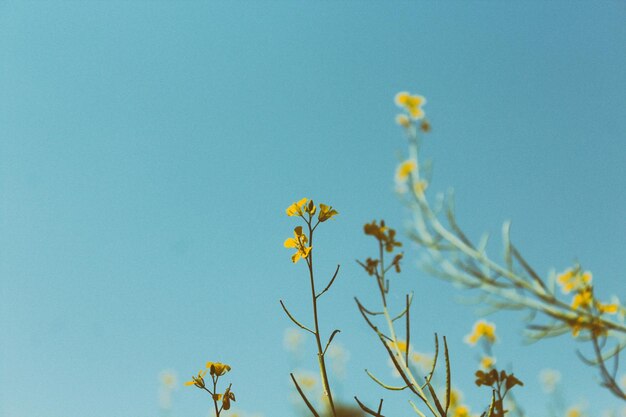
148 151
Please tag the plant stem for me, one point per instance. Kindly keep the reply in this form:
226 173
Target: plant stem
320 351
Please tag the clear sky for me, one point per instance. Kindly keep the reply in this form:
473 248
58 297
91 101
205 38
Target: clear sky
148 151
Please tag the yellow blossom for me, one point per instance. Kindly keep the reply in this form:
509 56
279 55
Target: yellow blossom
403 121
296 208
482 329
573 412
412 104
583 299
487 362
326 212
573 279
298 242
400 345
607 308
198 381
424 361
404 170
461 411
217 368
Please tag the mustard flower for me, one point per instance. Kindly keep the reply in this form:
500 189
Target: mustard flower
217 368
461 411
326 212
412 104
296 208
573 279
404 170
298 242
482 329
403 121
574 411
607 308
583 298
198 381
487 362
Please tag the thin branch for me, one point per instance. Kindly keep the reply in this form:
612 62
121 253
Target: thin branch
369 410
302 326
408 328
329 284
330 339
306 400
382 384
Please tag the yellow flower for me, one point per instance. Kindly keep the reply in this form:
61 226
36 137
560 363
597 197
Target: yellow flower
403 121
461 411
412 104
583 298
424 361
296 208
607 308
326 212
573 412
573 279
404 170
217 368
487 362
198 381
298 242
482 329
400 345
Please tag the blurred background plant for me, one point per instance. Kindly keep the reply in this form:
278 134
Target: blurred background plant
509 284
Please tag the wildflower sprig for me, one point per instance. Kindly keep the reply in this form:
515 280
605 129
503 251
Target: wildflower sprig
221 401
399 350
303 243
501 384
512 283
484 334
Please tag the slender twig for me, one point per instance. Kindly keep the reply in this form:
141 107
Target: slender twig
304 398
329 284
302 326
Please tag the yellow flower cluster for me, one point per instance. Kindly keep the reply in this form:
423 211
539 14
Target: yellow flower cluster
306 209
301 207
482 330
299 243
574 279
216 369
412 105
